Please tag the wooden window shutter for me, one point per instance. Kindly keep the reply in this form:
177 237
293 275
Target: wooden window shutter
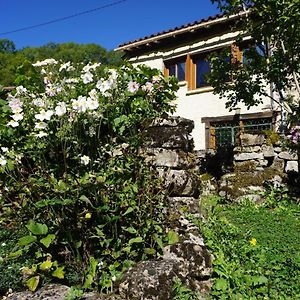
212 138
166 71
236 54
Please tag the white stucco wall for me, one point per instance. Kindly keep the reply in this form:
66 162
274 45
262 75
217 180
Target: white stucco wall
202 102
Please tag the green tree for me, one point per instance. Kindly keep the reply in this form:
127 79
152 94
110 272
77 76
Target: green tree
7 46
271 59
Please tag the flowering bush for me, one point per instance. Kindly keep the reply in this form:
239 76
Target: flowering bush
72 185
294 136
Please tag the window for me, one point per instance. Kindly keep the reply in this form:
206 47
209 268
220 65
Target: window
176 69
202 69
223 134
195 68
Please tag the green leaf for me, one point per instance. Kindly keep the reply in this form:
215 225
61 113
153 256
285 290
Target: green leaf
33 283
128 211
26 240
46 265
59 273
172 237
37 228
136 240
15 254
46 241
221 284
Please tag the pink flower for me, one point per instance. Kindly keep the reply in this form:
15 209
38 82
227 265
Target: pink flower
133 86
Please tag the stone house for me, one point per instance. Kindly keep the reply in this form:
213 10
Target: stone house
183 52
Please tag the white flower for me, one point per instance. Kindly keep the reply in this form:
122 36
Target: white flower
21 90
47 80
92 104
40 125
87 77
114 278
48 61
84 160
113 74
13 123
104 86
15 104
41 134
133 86
60 109
44 115
3 161
39 102
156 79
52 90
71 80
4 149
148 87
88 67
80 104
17 117
65 66
93 94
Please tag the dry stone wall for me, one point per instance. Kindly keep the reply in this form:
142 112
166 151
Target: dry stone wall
255 165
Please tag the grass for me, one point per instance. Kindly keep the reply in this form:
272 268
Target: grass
256 250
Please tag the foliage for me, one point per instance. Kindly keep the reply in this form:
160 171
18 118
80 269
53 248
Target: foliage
16 64
180 292
256 251
73 185
270 59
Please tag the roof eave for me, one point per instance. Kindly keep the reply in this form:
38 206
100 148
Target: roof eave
159 37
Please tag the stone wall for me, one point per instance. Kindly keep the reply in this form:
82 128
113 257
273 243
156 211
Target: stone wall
256 164
168 146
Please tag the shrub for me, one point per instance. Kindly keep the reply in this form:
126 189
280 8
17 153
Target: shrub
73 184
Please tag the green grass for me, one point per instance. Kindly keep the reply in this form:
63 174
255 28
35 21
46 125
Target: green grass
256 249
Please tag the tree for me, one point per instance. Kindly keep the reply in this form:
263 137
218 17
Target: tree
7 46
271 59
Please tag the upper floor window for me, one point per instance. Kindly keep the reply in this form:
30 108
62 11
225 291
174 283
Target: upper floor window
176 68
202 70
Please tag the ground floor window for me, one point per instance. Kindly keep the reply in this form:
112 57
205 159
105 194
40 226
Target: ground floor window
223 133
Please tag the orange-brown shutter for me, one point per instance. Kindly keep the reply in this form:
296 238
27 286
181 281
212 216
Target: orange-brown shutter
212 138
236 54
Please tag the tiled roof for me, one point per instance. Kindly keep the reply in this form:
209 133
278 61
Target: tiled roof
173 30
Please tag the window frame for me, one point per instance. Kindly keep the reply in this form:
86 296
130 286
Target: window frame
175 62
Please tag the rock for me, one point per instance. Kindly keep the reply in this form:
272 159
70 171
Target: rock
278 164
191 260
248 156
268 151
48 292
168 137
248 139
247 149
250 197
291 166
151 280
96 296
173 121
288 155
180 182
262 163
160 157
184 205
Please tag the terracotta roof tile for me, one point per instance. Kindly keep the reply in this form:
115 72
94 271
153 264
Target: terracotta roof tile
204 20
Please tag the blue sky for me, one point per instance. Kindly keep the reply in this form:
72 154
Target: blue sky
108 27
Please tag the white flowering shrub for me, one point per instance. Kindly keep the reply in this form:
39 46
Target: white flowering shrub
73 187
